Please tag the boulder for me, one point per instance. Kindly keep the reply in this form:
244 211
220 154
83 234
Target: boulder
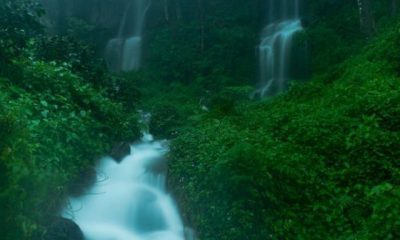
63 229
120 151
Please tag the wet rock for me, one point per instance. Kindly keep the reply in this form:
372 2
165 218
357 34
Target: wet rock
159 167
82 182
120 150
63 229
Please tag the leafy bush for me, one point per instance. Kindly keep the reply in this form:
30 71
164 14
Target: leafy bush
64 125
319 162
18 22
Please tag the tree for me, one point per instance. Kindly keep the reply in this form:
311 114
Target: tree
367 20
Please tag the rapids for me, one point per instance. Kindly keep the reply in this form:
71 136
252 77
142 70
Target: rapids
129 200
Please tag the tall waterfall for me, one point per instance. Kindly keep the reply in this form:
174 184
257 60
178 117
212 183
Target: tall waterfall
276 45
123 53
129 201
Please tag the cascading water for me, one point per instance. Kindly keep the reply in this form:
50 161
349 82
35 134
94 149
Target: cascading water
276 44
123 53
129 201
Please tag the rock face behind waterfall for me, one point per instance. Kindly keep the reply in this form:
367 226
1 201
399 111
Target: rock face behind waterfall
100 13
121 23
123 52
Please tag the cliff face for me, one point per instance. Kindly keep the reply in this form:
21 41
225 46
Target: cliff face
103 14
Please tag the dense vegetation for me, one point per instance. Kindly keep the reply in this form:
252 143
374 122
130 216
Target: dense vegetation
320 161
57 115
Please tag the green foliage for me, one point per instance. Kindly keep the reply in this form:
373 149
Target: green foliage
17 24
225 100
80 55
58 114
333 30
65 124
319 162
207 42
170 105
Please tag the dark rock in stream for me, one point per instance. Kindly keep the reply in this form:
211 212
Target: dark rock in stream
159 167
120 151
63 229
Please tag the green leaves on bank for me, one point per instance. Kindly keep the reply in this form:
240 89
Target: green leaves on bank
319 162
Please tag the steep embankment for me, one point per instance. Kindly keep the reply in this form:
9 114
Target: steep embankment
319 162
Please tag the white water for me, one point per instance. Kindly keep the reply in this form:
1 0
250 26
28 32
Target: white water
276 45
129 200
123 53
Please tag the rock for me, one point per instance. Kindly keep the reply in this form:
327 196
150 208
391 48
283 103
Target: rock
120 150
159 167
63 229
82 182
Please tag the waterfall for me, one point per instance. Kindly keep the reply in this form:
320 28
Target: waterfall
129 200
276 45
123 53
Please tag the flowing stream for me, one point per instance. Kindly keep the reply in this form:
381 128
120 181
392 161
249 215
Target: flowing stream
129 200
276 45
